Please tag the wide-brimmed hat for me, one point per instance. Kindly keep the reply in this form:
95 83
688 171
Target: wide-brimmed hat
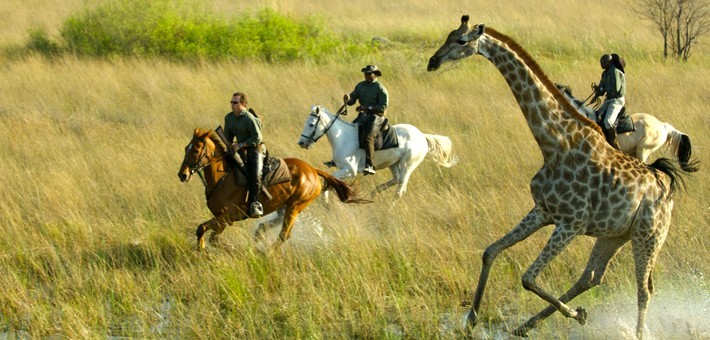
371 69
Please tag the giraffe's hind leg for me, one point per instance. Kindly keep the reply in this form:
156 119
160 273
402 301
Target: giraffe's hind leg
602 253
647 239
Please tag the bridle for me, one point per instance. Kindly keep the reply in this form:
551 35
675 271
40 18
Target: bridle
342 111
203 161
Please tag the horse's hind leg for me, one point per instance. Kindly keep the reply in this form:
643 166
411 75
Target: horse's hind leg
269 222
386 185
647 241
290 215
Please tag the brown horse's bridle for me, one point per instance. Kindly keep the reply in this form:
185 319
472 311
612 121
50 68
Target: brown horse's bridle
200 166
342 111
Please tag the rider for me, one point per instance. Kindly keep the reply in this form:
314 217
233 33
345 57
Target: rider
245 126
613 84
373 98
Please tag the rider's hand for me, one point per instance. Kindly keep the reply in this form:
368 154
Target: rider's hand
346 98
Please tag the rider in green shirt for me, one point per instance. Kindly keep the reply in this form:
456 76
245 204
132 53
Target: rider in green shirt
373 98
244 126
613 84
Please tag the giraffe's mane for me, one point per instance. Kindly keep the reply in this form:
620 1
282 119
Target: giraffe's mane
546 82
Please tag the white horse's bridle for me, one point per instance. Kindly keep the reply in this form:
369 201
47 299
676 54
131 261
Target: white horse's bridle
312 138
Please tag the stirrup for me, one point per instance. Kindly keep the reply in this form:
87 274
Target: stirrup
256 210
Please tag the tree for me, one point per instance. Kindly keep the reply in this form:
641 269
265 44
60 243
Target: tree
681 23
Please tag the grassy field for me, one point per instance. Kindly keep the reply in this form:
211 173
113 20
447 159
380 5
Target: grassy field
98 233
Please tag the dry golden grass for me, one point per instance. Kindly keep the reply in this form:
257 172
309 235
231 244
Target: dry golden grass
98 233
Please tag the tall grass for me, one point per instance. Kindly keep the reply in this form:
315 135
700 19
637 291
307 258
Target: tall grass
98 233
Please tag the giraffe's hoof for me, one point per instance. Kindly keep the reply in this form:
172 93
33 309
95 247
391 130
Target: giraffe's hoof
522 331
471 320
581 316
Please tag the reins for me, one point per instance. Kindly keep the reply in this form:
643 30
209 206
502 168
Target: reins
343 110
595 102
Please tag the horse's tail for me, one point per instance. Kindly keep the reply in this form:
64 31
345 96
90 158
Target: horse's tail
440 148
666 166
679 144
346 193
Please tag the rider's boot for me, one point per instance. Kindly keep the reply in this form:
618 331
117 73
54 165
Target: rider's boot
369 158
255 165
610 135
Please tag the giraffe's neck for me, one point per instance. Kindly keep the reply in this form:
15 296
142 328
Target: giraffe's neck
552 127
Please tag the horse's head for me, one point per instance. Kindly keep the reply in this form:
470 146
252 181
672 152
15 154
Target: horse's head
313 128
577 103
198 154
461 43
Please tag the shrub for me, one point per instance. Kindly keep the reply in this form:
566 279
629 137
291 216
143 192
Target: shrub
40 42
184 30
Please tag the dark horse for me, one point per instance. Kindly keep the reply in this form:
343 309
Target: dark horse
226 200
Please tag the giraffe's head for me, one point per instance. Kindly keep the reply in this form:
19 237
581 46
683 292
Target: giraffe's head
461 43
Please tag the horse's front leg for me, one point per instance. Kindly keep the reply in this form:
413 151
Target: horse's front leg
215 224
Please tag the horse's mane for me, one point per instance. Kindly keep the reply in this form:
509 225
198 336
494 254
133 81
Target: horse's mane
216 140
334 115
546 82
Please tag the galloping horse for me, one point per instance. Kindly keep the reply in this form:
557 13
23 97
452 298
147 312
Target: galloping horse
207 154
349 158
650 134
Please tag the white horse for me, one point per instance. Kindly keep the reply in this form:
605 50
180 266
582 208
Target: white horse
650 134
350 159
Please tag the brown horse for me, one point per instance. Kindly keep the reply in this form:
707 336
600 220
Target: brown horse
207 154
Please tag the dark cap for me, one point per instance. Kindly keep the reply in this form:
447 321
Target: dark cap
371 69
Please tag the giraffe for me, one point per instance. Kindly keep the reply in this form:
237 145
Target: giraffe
585 186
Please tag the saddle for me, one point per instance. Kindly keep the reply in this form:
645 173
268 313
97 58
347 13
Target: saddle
624 123
275 171
386 137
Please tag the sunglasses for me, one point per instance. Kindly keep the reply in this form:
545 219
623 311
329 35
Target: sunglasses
233 102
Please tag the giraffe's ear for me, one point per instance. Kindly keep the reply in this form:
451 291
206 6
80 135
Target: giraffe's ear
464 19
481 28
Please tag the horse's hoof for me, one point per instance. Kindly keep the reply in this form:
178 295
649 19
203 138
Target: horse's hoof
581 316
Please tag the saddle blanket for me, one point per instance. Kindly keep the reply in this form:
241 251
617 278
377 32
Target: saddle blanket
275 172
